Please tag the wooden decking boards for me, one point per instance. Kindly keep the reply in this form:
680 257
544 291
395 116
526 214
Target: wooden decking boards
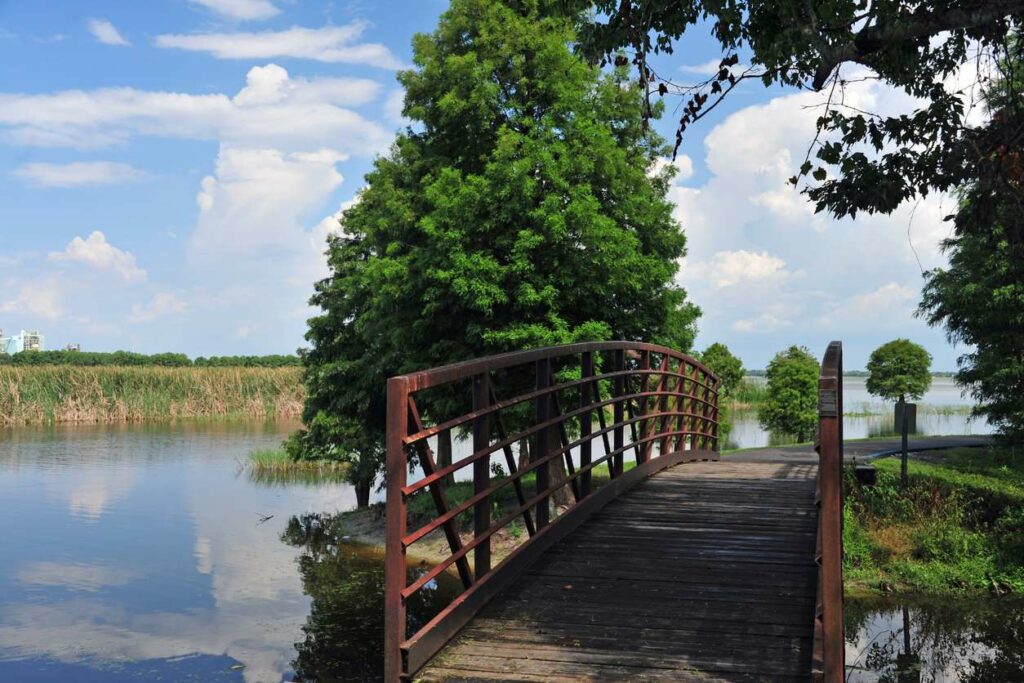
705 572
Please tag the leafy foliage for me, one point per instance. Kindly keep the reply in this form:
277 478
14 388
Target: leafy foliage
791 405
979 297
863 161
517 212
899 370
728 367
130 359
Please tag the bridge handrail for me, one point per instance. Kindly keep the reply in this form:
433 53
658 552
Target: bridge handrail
829 651
679 414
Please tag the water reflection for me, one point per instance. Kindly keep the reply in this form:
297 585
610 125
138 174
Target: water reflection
344 634
979 641
943 410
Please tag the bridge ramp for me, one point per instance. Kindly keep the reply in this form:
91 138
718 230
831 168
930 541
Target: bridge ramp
705 572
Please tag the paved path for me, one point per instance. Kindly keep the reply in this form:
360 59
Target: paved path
860 450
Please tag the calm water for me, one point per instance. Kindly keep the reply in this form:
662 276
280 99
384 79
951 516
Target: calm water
980 641
943 410
141 553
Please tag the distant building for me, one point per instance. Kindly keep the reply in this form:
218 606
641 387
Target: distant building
73 347
24 341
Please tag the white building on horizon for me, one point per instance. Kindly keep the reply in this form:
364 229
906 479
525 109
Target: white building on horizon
24 341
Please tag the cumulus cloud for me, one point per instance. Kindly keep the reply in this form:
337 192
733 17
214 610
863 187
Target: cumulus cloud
241 10
95 251
162 304
43 298
263 113
78 174
708 68
769 272
105 32
333 44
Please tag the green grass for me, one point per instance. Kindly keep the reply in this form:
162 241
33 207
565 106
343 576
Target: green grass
107 394
958 528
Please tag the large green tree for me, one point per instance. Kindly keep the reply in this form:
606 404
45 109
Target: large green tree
791 401
979 297
522 208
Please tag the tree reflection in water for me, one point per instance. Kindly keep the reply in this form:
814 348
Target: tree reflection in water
980 641
344 634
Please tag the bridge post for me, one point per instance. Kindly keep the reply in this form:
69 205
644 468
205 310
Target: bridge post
829 645
481 473
395 520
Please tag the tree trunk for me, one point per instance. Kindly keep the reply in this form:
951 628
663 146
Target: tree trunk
363 493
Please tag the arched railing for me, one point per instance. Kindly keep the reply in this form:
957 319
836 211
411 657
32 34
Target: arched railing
573 415
829 644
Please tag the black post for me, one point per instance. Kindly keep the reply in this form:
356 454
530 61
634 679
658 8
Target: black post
904 479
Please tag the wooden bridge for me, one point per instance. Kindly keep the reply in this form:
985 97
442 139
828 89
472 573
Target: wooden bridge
578 565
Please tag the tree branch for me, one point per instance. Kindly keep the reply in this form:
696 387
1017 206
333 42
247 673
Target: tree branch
921 23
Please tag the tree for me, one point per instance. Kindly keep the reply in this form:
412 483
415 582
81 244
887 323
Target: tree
791 403
521 209
979 297
899 370
728 367
863 161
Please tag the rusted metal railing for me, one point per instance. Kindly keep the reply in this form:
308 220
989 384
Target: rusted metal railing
829 643
663 409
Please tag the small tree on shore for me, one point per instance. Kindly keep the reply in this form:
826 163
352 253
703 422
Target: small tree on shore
899 370
728 367
791 404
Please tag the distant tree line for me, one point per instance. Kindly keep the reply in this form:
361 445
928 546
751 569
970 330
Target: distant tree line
128 358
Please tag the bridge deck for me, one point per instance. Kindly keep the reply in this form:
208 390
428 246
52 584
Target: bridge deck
704 572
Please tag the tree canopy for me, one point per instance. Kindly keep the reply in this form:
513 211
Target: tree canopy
899 370
728 367
791 402
522 208
862 160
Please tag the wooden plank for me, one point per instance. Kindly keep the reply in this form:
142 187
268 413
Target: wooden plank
704 572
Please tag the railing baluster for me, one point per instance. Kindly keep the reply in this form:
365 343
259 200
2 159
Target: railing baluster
620 390
586 370
444 454
517 482
395 626
694 421
542 441
481 473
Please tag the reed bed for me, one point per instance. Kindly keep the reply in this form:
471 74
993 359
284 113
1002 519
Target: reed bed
275 467
94 395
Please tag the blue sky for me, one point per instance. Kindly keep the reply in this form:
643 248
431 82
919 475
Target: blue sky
170 171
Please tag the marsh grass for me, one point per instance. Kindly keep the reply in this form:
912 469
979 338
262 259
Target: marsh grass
274 467
92 395
959 527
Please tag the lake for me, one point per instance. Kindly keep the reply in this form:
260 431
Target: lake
136 553
943 410
966 641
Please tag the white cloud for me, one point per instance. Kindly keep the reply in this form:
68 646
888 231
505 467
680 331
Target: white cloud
264 113
728 268
105 32
766 322
682 163
43 298
709 68
78 173
242 10
162 304
333 44
96 252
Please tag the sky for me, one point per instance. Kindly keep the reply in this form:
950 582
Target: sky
171 170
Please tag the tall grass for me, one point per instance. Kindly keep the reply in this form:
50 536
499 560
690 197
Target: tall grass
67 394
272 467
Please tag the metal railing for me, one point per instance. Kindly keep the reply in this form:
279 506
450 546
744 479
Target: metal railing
829 652
657 403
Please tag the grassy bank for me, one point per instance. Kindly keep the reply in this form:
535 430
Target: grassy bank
959 528
84 395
